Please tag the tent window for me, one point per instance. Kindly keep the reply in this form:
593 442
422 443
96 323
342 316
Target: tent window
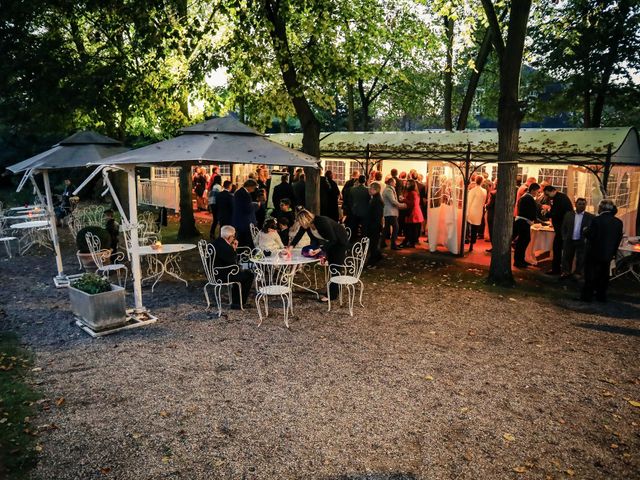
621 198
166 172
554 176
337 168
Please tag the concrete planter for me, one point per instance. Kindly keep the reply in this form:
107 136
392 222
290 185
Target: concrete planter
101 311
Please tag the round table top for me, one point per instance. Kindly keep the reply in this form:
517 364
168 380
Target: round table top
630 248
27 217
36 224
296 259
542 228
166 248
28 207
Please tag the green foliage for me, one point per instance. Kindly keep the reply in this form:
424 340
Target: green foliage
17 432
101 233
92 284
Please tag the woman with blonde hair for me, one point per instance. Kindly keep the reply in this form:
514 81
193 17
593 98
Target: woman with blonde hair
325 232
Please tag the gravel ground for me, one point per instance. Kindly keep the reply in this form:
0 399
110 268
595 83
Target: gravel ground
436 378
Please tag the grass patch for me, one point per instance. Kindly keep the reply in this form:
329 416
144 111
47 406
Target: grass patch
17 440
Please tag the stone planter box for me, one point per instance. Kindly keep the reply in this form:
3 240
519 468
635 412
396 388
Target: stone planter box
101 311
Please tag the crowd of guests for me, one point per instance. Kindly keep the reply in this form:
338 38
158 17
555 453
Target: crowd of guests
584 244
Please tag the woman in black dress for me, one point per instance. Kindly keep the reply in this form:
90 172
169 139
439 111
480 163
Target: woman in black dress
326 232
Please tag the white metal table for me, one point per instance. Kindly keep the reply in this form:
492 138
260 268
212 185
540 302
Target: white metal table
30 216
28 207
169 265
296 260
627 260
33 234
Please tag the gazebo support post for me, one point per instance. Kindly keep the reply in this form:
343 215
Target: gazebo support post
61 279
606 172
135 247
466 181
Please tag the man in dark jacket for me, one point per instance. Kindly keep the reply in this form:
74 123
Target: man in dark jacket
573 228
281 191
244 212
352 182
224 208
528 212
329 195
560 205
358 206
299 191
226 256
603 239
373 223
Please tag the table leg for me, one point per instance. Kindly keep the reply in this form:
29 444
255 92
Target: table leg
172 267
295 267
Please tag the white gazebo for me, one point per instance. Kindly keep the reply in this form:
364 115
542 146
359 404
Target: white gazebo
219 140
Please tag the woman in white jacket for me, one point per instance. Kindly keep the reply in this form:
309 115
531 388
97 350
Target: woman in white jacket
391 211
476 199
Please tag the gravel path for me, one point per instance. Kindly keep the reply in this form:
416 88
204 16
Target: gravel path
435 379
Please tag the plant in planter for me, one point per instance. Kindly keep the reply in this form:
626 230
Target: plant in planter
97 303
83 254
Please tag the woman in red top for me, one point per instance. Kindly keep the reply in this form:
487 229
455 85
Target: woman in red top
414 216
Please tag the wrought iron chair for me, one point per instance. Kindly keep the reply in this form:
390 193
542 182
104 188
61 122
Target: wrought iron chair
217 277
273 280
4 238
348 274
101 256
255 234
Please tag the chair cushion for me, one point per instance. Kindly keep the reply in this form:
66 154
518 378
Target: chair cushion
115 266
343 280
274 290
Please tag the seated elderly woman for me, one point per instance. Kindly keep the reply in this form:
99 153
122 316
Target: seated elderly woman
226 245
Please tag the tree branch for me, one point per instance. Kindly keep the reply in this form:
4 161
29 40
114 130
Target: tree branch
494 26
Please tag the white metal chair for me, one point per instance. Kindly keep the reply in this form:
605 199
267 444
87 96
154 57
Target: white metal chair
273 280
348 274
217 277
255 234
102 255
4 238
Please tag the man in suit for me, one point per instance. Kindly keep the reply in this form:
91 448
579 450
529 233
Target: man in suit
528 212
573 227
359 206
373 223
299 191
560 205
226 256
602 241
281 191
346 204
224 208
244 212
329 195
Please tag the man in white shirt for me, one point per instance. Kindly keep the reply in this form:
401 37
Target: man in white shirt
573 226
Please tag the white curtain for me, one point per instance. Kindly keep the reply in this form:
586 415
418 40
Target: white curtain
444 206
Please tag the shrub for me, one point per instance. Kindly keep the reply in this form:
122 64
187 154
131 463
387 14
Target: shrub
101 233
92 284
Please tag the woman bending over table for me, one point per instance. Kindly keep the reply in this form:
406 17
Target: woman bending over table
329 234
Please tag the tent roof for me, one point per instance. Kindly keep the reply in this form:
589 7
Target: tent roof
226 124
237 144
563 145
78 150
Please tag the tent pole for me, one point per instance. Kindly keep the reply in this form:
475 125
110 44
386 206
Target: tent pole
135 247
61 278
465 194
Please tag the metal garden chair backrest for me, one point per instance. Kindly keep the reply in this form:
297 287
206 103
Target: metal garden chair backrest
98 254
354 262
217 277
255 234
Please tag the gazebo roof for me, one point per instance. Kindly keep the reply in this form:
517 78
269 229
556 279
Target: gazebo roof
78 150
219 140
552 145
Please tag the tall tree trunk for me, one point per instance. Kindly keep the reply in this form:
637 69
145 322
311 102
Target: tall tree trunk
509 119
241 110
187 228
308 121
474 79
350 108
448 75
364 106
624 7
586 108
283 125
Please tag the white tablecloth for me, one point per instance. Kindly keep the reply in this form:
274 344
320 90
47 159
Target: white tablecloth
541 242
